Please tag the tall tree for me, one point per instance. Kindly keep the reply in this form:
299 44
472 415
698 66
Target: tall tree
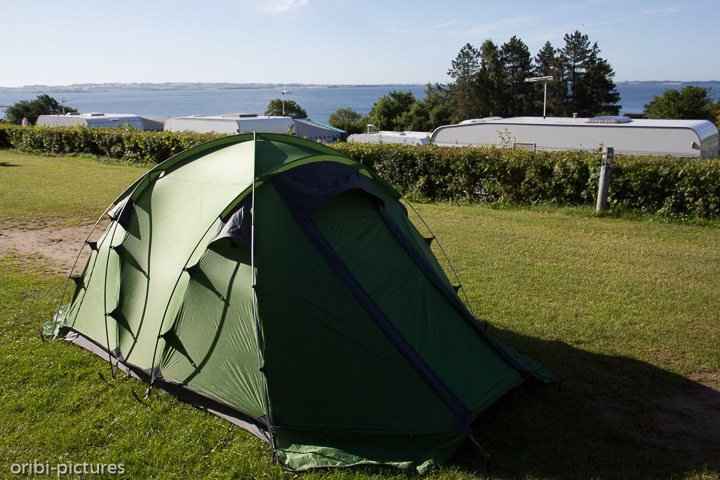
692 103
574 55
517 64
591 90
464 91
492 81
549 63
32 109
601 95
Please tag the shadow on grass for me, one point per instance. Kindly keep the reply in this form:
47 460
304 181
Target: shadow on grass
613 418
6 164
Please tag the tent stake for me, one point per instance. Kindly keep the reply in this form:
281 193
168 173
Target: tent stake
482 451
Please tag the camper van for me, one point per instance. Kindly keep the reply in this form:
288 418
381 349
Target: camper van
92 120
407 138
249 122
679 138
230 123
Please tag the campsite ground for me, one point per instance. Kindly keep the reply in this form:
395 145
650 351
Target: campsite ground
626 312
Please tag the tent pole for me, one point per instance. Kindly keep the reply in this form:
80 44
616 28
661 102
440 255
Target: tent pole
467 300
255 309
77 258
117 200
107 332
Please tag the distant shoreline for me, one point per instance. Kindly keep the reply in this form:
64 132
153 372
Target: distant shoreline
161 87
179 86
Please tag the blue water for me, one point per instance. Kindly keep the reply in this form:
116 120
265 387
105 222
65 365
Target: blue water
319 103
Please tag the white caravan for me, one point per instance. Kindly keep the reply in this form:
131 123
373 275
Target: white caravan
407 138
248 122
679 138
92 120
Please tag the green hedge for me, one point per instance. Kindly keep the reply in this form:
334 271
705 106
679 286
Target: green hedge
665 185
121 144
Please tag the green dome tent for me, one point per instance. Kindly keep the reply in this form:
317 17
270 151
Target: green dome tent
280 284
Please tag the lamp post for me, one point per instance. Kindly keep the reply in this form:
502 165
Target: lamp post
368 127
284 92
542 79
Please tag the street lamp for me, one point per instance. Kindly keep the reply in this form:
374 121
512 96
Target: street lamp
368 127
284 92
542 79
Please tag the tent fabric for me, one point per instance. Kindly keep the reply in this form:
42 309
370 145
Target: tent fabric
281 285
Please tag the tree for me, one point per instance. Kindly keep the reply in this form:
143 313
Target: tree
438 106
601 94
549 63
517 65
464 91
692 103
577 48
349 120
492 82
591 90
32 109
292 109
387 112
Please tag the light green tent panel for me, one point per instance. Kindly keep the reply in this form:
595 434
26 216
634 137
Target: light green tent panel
98 289
171 215
212 346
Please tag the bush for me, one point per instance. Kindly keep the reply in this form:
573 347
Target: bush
122 144
664 185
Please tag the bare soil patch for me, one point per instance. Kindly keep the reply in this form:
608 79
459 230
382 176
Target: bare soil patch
56 247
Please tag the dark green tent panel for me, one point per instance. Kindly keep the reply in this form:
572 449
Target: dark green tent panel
281 285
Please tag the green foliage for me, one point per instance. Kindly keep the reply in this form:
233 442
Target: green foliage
517 62
466 89
349 120
492 80
400 111
387 113
692 103
685 188
122 144
497 176
288 108
32 109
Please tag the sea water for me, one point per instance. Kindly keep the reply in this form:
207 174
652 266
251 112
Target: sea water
319 103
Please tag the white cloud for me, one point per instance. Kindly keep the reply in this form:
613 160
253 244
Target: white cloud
279 6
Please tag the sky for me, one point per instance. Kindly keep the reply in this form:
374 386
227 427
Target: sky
347 42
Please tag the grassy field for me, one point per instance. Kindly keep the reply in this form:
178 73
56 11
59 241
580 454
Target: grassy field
625 312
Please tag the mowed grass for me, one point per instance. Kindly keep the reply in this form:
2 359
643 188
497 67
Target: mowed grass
625 312
65 190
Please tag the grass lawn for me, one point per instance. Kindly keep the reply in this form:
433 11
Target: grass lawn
625 312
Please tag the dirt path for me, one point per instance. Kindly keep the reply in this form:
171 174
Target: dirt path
54 247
